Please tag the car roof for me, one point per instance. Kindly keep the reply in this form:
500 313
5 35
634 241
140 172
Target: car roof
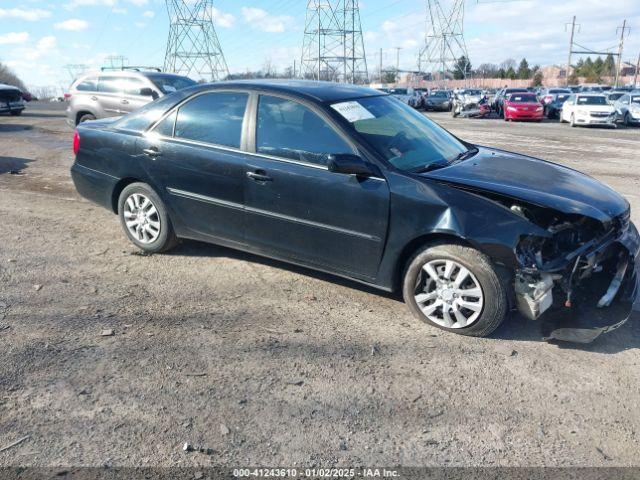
4 86
329 92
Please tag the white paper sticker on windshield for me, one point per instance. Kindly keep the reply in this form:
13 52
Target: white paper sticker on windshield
169 88
352 111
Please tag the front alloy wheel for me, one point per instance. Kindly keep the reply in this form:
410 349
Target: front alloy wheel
455 288
448 294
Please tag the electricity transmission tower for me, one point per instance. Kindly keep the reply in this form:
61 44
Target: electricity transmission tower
333 47
444 41
193 47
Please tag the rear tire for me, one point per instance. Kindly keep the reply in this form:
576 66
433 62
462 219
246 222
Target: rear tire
145 219
484 315
86 117
16 113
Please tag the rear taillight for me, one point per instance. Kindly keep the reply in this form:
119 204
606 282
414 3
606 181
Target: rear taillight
76 142
67 96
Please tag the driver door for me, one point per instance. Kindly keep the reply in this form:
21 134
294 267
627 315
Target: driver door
296 208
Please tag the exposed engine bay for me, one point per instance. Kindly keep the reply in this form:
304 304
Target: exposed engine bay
575 272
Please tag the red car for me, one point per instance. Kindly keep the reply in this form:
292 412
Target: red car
523 106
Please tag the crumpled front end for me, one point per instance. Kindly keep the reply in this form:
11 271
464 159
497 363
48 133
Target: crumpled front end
581 280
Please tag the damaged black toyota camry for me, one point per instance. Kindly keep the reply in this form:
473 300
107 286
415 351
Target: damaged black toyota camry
351 181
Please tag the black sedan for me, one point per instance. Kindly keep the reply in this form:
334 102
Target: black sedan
351 181
438 100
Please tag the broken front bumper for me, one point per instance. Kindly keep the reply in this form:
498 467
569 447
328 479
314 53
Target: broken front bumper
588 317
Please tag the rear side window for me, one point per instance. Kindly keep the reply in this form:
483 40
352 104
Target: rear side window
110 84
290 130
214 118
88 85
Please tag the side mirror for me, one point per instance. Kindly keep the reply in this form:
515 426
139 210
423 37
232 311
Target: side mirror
349 164
149 92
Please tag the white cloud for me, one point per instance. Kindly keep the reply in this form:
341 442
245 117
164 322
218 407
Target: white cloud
264 21
89 3
13 38
120 11
30 15
47 43
140 24
224 20
138 3
149 14
73 24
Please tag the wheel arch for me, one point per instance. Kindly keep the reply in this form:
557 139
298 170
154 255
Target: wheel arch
419 243
82 112
119 187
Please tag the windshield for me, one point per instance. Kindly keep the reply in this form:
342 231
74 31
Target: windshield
398 91
635 99
559 90
562 98
171 83
404 137
439 94
472 92
516 97
592 100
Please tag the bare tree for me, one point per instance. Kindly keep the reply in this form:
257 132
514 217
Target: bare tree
7 76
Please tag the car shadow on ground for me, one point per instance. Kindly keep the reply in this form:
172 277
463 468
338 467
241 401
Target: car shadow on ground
514 328
13 165
192 248
14 127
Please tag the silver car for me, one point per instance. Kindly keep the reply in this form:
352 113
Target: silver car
628 108
114 93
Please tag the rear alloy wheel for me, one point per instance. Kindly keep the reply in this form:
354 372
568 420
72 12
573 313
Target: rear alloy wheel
455 288
144 219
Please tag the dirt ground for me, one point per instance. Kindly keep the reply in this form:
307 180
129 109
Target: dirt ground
268 364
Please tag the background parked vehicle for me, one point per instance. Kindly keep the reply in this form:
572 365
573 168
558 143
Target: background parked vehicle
547 95
553 108
499 99
588 109
438 100
402 94
114 93
522 106
465 101
417 97
628 108
613 96
11 100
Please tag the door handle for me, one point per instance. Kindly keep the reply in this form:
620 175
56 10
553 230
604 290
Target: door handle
151 152
94 98
259 176
125 102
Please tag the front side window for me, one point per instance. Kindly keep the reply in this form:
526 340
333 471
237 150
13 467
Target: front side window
406 138
133 85
214 118
110 84
290 130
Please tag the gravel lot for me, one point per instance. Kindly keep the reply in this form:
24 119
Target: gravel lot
268 364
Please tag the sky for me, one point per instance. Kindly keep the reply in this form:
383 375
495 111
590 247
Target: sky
39 37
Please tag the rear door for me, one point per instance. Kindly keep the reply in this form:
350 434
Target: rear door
296 208
193 156
108 99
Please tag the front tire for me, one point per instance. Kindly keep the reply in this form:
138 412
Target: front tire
455 288
16 113
144 219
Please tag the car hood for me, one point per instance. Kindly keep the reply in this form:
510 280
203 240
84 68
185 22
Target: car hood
595 108
535 181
